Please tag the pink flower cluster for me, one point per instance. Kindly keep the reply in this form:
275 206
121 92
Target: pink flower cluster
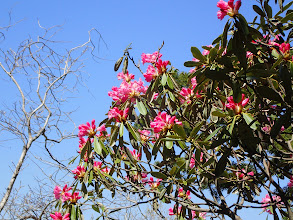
237 107
128 90
119 115
164 122
182 194
267 200
65 195
188 93
144 135
90 130
158 66
192 160
79 172
98 166
201 215
228 8
154 184
58 216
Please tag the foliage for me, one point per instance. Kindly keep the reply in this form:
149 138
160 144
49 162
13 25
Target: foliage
229 131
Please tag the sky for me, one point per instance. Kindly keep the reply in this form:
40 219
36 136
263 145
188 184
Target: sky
145 24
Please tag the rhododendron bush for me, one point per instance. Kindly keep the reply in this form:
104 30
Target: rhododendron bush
227 130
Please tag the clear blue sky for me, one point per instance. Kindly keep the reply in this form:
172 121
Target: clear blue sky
145 24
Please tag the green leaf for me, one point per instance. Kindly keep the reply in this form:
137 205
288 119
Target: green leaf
159 175
96 208
212 55
209 162
156 147
258 10
170 82
197 54
97 146
221 165
164 80
141 108
162 193
113 136
196 129
269 93
171 95
73 213
192 64
219 113
268 9
121 129
225 33
179 130
212 134
133 132
244 24
125 65
218 74
285 8
84 149
118 64
169 144
231 126
249 119
91 177
287 18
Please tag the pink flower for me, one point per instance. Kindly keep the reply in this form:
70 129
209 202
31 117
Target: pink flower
162 66
135 155
102 130
106 170
177 213
87 129
74 197
150 58
284 48
63 193
192 160
267 202
97 165
58 216
153 184
290 184
241 174
182 194
79 172
206 52
119 115
164 122
202 215
228 8
144 135
127 91
237 107
187 93
150 74
126 77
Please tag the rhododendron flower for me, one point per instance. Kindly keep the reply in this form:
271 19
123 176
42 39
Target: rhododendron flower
74 197
207 52
154 184
228 8
285 50
237 107
290 184
267 128
106 170
144 135
162 66
164 122
202 215
177 213
97 165
63 193
125 76
192 160
79 172
267 200
182 194
241 174
127 91
150 58
119 115
135 155
58 216
187 93
150 74
87 129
